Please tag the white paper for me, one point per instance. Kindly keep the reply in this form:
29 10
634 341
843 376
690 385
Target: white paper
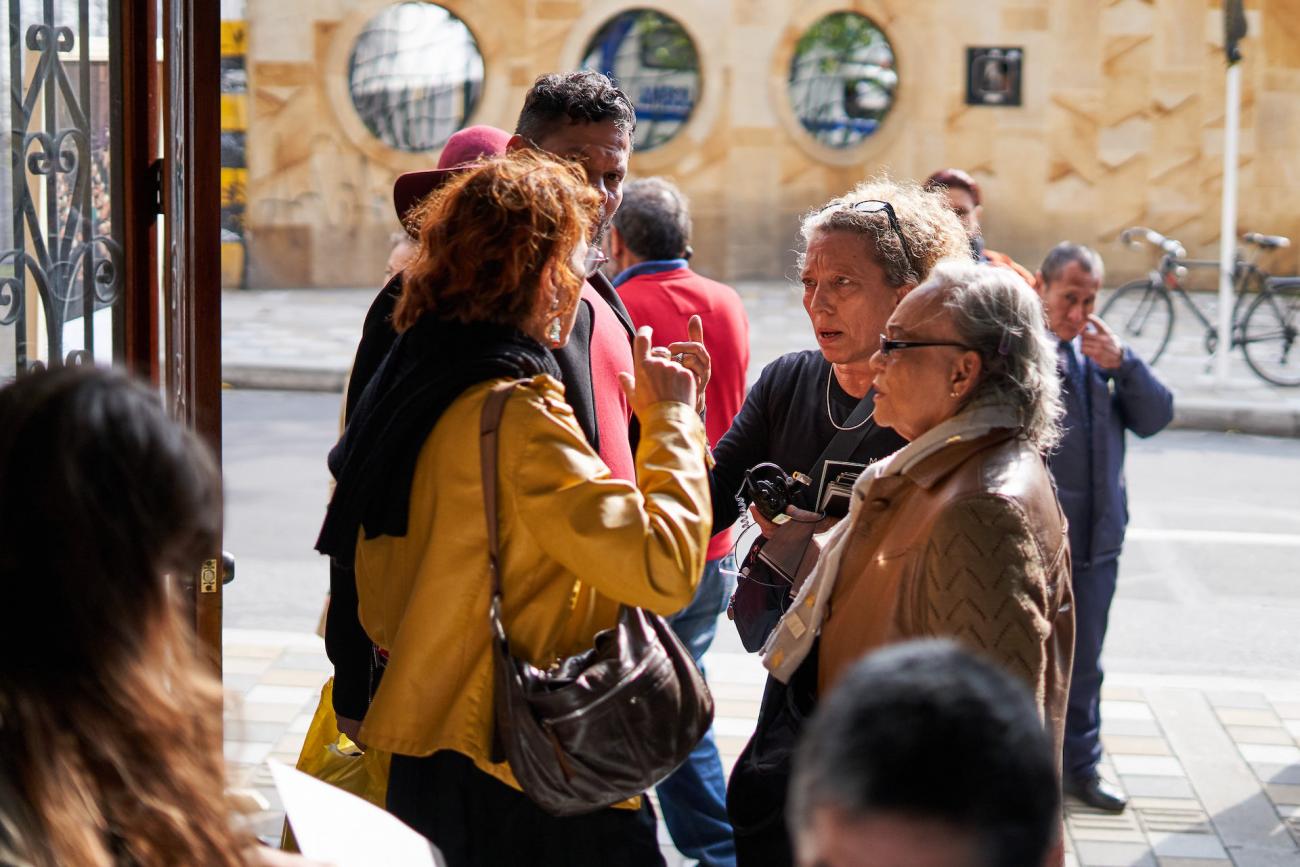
338 828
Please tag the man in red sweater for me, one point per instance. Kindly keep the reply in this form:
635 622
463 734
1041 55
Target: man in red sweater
650 246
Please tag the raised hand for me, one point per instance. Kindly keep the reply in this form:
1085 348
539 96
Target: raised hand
654 378
693 355
1102 345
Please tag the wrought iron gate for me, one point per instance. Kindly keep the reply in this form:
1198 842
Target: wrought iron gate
61 277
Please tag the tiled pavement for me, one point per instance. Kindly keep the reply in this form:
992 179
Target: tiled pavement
1212 765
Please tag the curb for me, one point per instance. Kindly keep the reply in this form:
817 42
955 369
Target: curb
1189 413
1236 417
283 378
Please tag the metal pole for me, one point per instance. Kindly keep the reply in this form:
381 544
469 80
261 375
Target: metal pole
1228 223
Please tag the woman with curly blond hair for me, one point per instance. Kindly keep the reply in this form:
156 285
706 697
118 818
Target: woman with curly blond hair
811 412
503 254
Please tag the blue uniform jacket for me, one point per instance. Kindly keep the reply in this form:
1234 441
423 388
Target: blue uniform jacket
1088 465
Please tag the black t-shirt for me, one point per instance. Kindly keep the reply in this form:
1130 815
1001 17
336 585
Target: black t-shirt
784 421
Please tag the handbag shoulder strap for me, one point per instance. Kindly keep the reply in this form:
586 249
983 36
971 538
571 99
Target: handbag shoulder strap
489 426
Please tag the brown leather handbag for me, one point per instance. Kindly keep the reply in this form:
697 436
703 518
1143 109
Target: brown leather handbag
600 727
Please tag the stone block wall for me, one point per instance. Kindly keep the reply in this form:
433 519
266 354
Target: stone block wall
1121 123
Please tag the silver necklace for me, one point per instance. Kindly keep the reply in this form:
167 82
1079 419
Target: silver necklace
833 422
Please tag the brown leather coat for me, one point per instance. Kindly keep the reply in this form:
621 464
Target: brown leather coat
968 544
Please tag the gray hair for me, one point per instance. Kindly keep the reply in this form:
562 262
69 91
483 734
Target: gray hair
654 219
996 314
932 231
1060 257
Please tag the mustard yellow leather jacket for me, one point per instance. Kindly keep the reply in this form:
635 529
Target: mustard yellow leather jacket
575 543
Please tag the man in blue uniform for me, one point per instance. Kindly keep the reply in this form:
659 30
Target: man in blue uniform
1107 390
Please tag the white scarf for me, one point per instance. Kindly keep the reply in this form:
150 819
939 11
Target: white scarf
790 641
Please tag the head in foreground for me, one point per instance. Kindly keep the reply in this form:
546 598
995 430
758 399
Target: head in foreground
924 756
970 334
505 242
862 252
112 728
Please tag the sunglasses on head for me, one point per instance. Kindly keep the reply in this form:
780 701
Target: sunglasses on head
876 206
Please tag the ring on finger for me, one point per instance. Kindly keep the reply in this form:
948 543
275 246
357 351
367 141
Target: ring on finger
679 357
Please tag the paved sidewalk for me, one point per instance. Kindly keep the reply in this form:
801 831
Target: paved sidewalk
1212 764
304 339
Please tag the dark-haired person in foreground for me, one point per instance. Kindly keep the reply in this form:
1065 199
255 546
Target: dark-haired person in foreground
925 756
111 720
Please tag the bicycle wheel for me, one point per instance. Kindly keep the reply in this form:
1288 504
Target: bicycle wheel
1143 317
1269 337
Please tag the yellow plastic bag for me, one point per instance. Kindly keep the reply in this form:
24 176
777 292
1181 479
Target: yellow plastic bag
331 756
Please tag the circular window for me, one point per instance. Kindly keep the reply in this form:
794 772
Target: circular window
415 75
842 79
655 62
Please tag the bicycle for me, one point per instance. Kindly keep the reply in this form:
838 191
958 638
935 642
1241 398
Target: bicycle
1265 323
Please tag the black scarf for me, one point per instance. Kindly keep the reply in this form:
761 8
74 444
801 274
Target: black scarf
429 366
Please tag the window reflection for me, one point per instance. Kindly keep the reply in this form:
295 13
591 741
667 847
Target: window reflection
654 60
842 79
415 75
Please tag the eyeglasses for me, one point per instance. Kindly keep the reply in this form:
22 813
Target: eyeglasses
887 346
592 261
875 206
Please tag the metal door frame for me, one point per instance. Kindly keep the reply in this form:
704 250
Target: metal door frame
62 258
192 220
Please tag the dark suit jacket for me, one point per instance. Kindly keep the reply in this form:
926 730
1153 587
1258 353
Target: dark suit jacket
346 643
1088 465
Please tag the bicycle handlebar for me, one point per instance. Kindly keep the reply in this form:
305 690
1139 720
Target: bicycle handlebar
1267 242
1134 235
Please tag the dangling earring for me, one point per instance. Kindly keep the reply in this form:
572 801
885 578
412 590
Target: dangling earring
554 326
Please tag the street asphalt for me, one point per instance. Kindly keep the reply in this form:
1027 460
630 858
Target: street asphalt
1208 584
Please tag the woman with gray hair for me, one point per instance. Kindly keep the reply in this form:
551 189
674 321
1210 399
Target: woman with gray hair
811 413
959 534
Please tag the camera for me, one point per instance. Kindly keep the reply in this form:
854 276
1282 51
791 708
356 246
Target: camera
771 489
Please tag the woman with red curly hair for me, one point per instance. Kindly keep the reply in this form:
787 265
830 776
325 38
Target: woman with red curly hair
495 286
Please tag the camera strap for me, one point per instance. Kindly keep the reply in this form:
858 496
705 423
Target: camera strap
840 448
